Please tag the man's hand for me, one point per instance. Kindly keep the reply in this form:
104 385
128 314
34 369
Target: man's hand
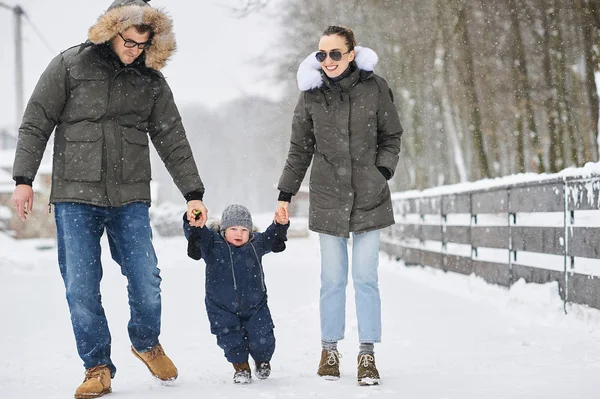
197 214
22 199
282 215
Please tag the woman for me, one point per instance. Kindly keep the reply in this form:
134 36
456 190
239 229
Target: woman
346 120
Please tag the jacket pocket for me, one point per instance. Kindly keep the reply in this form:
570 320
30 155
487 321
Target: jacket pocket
88 94
371 188
135 156
83 152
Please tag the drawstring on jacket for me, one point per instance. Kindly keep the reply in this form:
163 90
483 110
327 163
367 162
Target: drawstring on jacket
325 97
262 274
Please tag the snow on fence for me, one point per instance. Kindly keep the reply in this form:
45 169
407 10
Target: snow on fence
506 232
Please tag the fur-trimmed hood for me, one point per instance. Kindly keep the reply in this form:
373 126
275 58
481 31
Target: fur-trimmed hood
309 72
123 14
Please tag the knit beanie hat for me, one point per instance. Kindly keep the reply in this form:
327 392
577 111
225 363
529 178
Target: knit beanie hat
236 215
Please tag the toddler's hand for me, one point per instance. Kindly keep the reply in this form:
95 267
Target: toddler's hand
281 216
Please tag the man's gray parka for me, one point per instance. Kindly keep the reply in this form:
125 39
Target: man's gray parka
105 113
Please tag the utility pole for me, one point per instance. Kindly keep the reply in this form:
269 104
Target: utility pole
18 17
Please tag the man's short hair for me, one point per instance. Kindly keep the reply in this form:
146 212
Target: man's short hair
143 28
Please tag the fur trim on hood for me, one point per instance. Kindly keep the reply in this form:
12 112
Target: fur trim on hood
123 14
309 73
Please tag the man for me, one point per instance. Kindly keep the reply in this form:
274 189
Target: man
105 97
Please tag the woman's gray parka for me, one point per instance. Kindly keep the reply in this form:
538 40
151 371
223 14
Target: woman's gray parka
350 128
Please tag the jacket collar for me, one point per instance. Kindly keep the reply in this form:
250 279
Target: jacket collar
309 72
109 56
345 83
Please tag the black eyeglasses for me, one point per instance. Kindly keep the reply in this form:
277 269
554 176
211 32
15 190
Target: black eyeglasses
335 55
132 43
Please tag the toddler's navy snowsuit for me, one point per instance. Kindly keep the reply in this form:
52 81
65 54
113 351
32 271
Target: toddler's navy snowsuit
236 295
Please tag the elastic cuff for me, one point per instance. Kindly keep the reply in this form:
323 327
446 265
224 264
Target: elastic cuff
194 196
236 357
283 196
23 180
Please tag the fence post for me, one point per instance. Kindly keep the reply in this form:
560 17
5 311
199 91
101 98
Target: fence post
510 252
566 242
472 220
443 225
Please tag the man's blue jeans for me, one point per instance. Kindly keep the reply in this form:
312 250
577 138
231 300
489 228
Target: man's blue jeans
334 278
79 228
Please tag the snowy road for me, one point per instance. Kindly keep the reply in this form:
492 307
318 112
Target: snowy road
445 336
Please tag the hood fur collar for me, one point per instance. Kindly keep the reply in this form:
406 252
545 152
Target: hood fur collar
122 15
309 73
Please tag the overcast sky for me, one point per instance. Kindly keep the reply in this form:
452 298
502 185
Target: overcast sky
217 58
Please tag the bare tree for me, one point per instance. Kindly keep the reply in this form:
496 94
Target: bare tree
590 25
524 106
475 127
503 87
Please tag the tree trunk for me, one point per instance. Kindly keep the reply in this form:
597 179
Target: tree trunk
565 119
590 33
556 156
475 127
525 112
453 148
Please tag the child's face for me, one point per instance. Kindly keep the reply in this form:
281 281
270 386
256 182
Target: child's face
237 235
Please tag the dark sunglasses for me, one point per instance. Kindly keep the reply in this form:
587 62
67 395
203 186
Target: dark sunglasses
335 55
132 43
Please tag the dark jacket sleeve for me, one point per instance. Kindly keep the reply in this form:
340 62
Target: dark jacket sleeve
302 148
41 116
169 138
200 240
389 130
273 239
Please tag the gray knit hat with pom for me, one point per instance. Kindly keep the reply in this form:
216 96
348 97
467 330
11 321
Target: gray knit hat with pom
236 215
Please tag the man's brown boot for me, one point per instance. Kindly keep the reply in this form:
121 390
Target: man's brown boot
367 371
158 363
95 384
242 375
329 366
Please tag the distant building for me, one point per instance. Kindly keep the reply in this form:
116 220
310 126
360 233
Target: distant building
8 139
298 210
299 205
41 223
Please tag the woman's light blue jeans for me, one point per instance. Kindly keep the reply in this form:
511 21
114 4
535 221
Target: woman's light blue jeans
79 228
334 279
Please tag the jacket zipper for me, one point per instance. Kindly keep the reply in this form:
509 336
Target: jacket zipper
232 268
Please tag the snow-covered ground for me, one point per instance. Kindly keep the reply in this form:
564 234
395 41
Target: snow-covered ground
445 335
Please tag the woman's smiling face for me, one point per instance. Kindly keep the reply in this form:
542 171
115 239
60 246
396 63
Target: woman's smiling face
335 42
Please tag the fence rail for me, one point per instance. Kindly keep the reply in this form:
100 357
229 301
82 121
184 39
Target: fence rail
540 231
